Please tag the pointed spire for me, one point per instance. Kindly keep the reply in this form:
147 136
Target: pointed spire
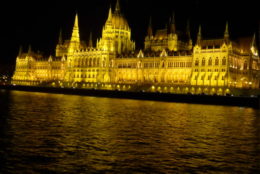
172 24
75 32
253 43
150 28
254 46
110 13
50 59
90 44
117 10
29 49
150 21
188 29
60 38
226 34
20 50
199 36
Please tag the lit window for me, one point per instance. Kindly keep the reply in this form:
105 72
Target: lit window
224 61
245 65
203 62
216 61
210 61
197 62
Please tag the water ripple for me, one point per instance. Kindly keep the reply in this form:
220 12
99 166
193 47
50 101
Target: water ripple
49 133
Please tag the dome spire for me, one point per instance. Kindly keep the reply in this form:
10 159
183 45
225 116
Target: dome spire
199 36
117 10
20 50
60 37
254 47
172 24
30 49
253 43
90 44
150 28
226 34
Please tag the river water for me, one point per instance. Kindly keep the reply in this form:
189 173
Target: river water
55 133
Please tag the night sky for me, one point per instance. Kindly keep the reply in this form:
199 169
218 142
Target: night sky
38 23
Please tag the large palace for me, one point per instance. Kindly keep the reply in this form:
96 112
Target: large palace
169 62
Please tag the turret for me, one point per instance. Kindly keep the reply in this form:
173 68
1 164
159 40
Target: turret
90 43
60 38
50 59
254 47
188 30
199 37
29 49
253 43
150 28
188 35
20 51
117 10
226 34
172 24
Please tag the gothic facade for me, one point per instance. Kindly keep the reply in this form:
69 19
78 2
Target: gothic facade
168 63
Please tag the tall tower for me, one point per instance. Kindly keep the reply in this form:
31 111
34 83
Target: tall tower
75 39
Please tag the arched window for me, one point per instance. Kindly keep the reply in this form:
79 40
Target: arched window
94 62
90 62
245 65
216 61
197 62
224 61
97 62
203 62
210 61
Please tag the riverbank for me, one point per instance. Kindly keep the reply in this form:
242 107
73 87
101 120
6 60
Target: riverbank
168 97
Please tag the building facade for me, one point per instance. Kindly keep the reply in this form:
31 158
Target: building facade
168 63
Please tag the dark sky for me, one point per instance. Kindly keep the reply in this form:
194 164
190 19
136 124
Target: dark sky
38 22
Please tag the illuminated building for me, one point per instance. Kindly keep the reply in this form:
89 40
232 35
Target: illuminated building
168 63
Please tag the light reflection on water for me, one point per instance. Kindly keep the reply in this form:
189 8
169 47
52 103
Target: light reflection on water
50 133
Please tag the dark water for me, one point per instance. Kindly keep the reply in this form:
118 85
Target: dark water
49 133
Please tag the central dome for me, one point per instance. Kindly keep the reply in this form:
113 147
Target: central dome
116 20
119 22
116 34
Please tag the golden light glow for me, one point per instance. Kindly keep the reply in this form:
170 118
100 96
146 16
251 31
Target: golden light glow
167 64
